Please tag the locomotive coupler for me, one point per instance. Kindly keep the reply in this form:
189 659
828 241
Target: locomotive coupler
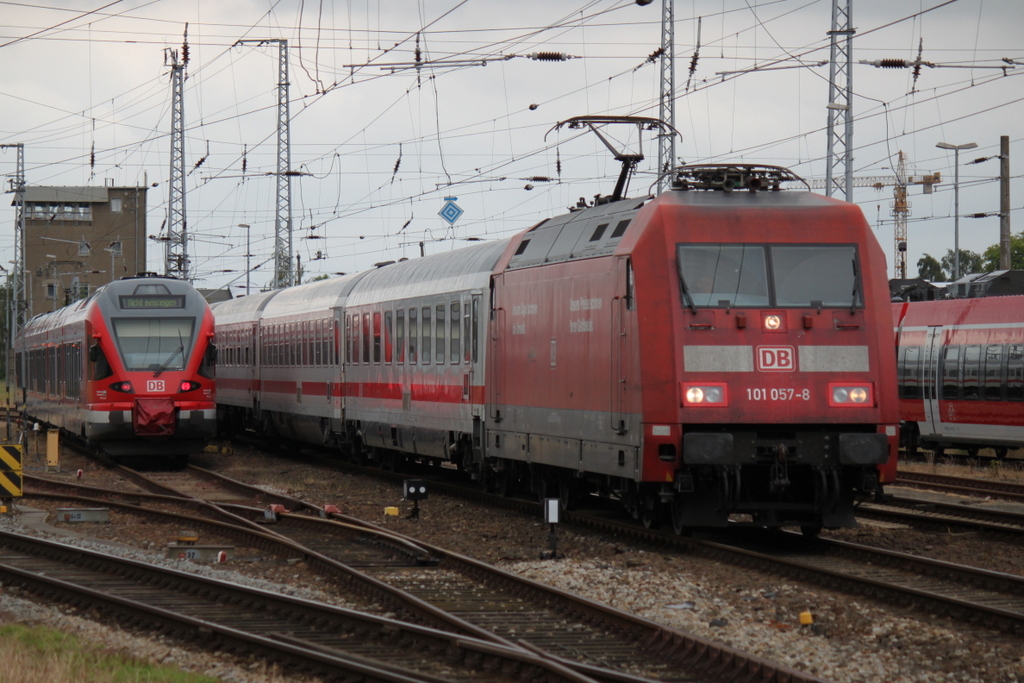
780 470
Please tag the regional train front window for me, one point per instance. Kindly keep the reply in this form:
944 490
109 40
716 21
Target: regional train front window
154 343
768 275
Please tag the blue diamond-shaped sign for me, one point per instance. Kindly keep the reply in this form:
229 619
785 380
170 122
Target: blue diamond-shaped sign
450 211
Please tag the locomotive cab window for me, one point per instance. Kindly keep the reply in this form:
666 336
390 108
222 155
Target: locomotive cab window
769 275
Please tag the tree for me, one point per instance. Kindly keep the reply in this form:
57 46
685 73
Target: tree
970 262
991 255
930 269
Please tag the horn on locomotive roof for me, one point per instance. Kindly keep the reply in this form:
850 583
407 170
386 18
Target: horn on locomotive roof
629 161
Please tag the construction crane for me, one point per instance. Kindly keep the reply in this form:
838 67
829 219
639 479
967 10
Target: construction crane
900 204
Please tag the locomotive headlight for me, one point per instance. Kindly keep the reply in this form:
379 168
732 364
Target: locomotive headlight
123 387
773 322
850 395
701 394
186 385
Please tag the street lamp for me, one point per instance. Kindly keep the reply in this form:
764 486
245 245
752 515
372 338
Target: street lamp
956 201
247 255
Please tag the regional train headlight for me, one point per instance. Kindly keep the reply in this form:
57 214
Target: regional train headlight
844 395
704 394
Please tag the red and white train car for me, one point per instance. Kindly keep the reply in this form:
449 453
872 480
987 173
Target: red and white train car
130 369
961 373
704 355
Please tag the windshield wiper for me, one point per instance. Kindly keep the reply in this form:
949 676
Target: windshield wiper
686 294
180 349
853 303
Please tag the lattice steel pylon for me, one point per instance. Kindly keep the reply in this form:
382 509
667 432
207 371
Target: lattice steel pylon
17 279
839 153
176 263
284 252
667 108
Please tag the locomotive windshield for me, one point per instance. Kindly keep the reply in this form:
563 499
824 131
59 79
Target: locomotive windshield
155 344
769 275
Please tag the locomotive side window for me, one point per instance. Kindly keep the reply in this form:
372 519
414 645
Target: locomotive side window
1015 372
994 373
972 372
154 343
810 273
425 338
414 334
439 327
951 373
455 352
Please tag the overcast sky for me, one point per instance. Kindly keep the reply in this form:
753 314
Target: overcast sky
380 145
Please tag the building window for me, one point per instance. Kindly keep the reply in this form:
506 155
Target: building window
115 204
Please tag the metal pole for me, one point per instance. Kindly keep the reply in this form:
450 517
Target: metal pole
248 253
1005 253
956 214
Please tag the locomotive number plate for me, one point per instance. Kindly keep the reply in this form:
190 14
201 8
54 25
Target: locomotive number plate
776 394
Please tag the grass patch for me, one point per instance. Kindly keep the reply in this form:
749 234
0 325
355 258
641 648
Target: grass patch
41 655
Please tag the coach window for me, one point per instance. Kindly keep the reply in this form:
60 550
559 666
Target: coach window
455 352
326 340
376 338
400 335
908 372
425 336
414 335
972 372
439 328
366 338
388 349
994 373
1015 372
951 373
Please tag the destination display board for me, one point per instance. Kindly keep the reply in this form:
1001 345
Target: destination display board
151 301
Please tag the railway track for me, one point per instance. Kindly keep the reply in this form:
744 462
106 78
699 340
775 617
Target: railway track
319 639
962 485
457 593
944 516
990 599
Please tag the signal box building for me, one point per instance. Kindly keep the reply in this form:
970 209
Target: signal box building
79 238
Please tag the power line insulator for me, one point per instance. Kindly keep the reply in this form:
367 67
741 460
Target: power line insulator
549 56
893 63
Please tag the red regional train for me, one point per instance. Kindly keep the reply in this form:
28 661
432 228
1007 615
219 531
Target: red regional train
128 370
961 373
708 356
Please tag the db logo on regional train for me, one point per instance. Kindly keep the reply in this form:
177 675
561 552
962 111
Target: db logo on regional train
154 385
776 358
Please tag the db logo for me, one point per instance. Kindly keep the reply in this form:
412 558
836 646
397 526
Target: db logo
154 385
771 358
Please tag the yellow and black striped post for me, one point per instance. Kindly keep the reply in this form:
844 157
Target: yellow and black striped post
10 472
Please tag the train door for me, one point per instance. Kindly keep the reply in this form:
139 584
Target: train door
931 382
252 368
495 356
621 304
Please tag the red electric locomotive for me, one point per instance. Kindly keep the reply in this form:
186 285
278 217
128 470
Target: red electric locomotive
129 370
721 355
961 373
